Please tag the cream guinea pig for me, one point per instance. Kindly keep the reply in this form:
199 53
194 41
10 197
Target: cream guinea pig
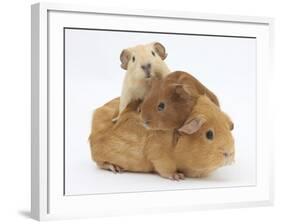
141 63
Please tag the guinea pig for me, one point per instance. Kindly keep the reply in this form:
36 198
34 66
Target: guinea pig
204 142
170 100
141 63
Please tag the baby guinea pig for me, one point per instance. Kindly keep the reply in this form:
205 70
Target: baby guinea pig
170 100
141 63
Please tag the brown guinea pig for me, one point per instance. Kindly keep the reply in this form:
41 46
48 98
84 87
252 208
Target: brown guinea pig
170 100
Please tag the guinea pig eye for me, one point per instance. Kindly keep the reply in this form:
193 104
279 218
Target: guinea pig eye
231 126
133 58
152 52
210 135
161 106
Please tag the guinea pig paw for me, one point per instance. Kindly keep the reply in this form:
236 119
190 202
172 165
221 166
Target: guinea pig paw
114 120
177 176
115 169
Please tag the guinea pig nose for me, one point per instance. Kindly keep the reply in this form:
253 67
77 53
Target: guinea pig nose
146 67
225 154
146 123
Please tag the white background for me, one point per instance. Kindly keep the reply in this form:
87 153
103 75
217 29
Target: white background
93 77
15 111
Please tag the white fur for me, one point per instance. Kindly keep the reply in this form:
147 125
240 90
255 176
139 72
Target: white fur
135 84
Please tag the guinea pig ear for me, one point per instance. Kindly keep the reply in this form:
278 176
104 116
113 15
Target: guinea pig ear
160 50
183 91
125 57
192 125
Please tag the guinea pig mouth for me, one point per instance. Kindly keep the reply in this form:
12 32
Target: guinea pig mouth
148 75
228 161
146 125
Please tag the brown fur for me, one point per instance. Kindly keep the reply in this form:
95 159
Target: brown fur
129 146
179 92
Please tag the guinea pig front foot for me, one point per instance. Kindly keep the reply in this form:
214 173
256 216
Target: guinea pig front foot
115 119
177 176
113 168
116 169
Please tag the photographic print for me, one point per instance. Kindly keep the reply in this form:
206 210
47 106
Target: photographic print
168 110
152 111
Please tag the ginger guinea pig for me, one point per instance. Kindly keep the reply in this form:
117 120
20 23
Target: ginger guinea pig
141 63
169 102
206 142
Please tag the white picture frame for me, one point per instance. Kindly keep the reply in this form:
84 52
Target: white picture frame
48 200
